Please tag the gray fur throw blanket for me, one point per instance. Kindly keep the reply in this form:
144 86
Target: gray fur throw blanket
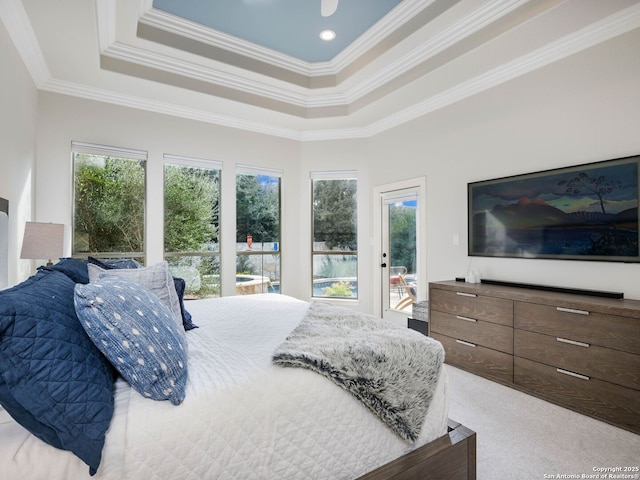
391 369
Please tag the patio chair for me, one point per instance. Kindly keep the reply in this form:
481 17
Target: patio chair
410 291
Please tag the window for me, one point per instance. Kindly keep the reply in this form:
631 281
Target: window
109 201
257 230
191 224
335 239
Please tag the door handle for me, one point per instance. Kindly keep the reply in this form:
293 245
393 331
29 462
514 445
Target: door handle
383 265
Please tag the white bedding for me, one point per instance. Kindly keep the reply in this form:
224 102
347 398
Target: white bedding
243 417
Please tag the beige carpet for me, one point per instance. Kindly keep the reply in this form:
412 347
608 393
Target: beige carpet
522 437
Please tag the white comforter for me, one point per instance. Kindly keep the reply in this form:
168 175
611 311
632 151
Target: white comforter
243 417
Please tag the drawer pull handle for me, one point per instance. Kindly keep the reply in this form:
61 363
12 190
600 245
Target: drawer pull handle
466 319
572 342
572 310
463 294
572 374
468 344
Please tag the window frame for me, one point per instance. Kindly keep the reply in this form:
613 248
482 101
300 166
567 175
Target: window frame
273 173
108 151
187 162
328 176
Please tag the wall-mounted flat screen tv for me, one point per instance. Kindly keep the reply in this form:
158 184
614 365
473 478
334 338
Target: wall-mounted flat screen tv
584 212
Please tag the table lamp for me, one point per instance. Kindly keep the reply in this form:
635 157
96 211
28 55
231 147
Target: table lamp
43 241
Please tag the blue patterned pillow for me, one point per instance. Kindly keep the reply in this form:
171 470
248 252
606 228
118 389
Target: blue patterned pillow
53 380
137 333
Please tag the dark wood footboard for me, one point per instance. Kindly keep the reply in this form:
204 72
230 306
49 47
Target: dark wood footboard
450 457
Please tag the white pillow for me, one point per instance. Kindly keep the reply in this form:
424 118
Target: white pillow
156 278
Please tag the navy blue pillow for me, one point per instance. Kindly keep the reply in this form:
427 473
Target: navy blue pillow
74 268
116 263
24 417
180 285
53 380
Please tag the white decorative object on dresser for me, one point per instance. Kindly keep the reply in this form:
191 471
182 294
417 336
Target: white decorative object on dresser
579 351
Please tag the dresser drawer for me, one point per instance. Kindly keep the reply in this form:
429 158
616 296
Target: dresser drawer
613 366
479 307
478 359
491 335
619 333
603 400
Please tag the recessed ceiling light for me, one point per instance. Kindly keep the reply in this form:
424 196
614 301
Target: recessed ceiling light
327 35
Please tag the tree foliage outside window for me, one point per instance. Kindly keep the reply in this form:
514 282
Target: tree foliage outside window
191 209
257 233
109 202
335 237
334 214
402 235
257 208
191 227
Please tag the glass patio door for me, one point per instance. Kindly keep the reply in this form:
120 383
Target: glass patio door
399 261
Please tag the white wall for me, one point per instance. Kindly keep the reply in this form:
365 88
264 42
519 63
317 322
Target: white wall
18 112
581 110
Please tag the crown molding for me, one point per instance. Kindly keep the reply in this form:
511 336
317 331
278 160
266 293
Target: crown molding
17 23
157 61
594 34
106 23
335 134
387 25
132 101
397 17
199 33
467 26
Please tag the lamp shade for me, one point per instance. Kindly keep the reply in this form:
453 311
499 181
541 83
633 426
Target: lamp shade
43 240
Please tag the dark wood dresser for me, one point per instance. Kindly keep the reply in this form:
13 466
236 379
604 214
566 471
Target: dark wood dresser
581 352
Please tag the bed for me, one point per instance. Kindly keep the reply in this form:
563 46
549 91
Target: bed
241 414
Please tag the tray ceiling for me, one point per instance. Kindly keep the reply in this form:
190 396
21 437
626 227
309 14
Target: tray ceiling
291 27
421 56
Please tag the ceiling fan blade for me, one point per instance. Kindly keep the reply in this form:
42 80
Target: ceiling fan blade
328 7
